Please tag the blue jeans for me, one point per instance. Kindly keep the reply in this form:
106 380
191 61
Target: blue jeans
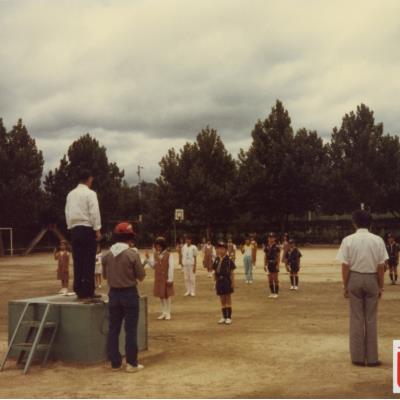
248 268
123 305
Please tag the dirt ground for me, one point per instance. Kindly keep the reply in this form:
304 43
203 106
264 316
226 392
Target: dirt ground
294 346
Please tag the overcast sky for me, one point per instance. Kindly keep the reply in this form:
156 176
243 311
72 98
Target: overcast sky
143 76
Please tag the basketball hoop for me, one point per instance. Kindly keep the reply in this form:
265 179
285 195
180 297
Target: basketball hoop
179 214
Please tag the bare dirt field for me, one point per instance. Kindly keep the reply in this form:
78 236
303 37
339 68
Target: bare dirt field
294 346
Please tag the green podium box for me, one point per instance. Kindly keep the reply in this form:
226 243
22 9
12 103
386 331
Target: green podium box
82 328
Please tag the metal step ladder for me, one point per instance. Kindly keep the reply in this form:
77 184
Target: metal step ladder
32 342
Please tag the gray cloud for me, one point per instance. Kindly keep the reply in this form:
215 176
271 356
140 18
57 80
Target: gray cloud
147 75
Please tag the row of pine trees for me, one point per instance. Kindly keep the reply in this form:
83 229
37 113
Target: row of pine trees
283 173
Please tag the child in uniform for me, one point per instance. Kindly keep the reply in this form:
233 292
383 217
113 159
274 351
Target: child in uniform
232 250
209 255
62 255
179 250
271 261
254 247
189 261
246 250
163 264
224 281
285 249
98 269
293 260
392 248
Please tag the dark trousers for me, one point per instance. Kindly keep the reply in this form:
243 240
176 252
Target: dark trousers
123 305
83 240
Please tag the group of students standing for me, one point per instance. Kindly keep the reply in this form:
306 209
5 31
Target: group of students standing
287 253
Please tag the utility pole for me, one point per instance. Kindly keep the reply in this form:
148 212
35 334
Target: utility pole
139 168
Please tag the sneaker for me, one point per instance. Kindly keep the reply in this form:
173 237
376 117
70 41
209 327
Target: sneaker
276 296
61 291
271 296
131 368
247 281
162 316
250 282
167 317
99 286
296 288
221 321
291 287
187 294
228 321
116 369
192 295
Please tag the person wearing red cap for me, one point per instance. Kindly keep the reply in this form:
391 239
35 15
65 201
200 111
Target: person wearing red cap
123 270
163 264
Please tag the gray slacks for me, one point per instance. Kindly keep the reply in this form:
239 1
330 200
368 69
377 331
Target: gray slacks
363 292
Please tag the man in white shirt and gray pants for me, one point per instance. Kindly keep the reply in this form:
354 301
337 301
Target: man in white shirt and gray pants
363 257
83 219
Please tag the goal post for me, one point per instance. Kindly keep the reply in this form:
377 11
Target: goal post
11 239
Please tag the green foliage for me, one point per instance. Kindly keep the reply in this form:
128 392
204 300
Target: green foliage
283 173
280 174
21 165
84 153
363 165
200 179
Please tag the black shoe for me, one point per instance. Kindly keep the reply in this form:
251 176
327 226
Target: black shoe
375 364
358 363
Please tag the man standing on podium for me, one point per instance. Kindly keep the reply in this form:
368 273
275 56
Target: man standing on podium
83 220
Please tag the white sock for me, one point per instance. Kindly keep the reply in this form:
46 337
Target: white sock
163 306
168 305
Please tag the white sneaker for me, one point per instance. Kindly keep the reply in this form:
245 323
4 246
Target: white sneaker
296 288
275 296
192 295
247 281
221 321
228 321
291 287
131 368
61 291
187 294
162 316
167 317
250 282
271 296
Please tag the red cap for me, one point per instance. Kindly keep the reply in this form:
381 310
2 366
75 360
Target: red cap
124 228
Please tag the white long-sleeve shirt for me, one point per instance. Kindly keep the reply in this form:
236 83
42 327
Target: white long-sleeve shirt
82 208
151 261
